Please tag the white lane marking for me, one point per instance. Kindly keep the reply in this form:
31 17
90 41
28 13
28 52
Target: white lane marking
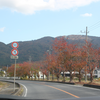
25 90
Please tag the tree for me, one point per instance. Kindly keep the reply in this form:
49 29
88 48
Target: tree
80 62
92 58
36 68
11 70
42 67
60 48
2 73
57 67
71 56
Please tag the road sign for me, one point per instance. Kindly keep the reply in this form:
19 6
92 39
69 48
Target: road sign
14 52
13 57
15 44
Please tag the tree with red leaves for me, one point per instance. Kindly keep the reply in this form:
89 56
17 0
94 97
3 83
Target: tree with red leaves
80 62
92 58
60 48
71 59
11 70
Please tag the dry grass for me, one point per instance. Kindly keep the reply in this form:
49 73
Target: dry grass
3 84
75 80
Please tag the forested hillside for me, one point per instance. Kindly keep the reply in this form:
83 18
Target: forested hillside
37 48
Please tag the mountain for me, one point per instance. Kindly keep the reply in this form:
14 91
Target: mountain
80 39
37 48
34 48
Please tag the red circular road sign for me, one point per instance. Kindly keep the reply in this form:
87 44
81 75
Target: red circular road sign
14 52
15 44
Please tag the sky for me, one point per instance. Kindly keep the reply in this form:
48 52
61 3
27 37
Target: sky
26 20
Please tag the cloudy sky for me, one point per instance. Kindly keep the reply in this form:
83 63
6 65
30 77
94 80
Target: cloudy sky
24 20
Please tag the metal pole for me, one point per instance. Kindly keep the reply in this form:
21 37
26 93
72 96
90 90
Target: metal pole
87 52
14 74
86 64
7 71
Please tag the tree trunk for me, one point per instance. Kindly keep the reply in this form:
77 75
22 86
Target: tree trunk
35 77
91 77
43 76
53 75
70 76
63 77
58 78
79 76
47 78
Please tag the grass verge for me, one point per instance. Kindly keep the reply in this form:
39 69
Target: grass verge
3 85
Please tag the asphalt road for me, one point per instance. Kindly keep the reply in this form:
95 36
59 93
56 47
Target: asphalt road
58 91
48 90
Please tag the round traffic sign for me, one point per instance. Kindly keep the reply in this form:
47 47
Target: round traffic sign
15 44
14 52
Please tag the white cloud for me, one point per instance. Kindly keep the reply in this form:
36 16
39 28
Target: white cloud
30 6
86 15
2 29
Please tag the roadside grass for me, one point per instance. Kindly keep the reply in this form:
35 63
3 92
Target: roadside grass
3 84
20 91
96 81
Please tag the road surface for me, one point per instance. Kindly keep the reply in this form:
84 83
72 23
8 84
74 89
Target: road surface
49 90
58 91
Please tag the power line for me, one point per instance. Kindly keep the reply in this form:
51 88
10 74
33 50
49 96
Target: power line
94 26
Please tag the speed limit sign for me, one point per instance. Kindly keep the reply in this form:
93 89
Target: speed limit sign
15 44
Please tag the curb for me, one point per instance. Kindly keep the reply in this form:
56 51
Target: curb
92 86
85 85
19 92
54 82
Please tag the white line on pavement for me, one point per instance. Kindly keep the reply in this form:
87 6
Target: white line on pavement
25 90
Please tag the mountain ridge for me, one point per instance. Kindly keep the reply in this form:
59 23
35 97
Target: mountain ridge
37 48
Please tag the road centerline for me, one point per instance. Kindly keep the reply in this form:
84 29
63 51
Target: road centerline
63 91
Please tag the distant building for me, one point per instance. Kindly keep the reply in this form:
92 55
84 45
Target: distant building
40 75
2 73
96 73
67 74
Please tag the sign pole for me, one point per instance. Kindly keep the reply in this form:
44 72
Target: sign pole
14 74
14 53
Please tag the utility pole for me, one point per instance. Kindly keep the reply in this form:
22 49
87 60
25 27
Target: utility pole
50 61
49 52
7 71
87 52
30 58
14 74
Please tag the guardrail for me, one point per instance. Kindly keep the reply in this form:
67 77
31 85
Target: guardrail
9 77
